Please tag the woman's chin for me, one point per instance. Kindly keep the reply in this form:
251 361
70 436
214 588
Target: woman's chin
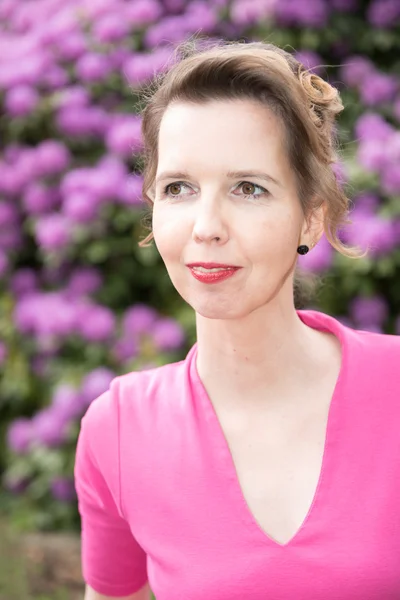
215 310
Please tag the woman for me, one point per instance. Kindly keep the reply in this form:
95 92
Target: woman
266 465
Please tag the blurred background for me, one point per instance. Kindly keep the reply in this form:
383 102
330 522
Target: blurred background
80 302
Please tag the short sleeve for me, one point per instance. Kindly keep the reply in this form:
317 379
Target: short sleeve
112 561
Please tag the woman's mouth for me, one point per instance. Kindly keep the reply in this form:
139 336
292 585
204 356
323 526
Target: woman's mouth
212 273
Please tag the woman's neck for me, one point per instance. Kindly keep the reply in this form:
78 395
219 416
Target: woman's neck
259 356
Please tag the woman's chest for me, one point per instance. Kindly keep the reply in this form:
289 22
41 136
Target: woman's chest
278 463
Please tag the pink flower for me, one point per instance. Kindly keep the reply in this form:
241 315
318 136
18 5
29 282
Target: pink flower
39 199
80 207
98 324
63 489
21 100
19 435
139 319
53 231
95 383
52 157
142 12
378 88
110 28
356 69
168 334
93 67
125 138
84 280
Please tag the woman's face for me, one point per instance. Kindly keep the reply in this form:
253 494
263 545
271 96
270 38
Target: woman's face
206 212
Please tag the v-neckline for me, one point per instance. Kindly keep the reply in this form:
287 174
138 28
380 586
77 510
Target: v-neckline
321 322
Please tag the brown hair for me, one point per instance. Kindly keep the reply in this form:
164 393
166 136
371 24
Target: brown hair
306 104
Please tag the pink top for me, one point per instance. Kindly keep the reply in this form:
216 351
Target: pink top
159 497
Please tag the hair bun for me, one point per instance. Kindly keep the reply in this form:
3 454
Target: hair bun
323 100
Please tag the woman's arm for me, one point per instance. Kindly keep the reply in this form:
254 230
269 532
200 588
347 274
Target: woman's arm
143 594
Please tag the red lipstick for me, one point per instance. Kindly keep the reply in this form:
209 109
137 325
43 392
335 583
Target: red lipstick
212 272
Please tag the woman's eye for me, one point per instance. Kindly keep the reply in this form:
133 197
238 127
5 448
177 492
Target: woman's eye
173 190
249 189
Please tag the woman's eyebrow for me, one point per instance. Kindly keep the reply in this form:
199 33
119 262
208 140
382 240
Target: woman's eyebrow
257 174
229 174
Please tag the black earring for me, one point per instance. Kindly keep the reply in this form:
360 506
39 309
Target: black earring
303 249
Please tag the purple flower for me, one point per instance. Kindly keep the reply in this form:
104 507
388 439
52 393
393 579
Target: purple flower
62 23
367 311
142 12
125 138
312 13
21 100
139 319
55 78
366 203
48 428
46 314
52 157
73 96
372 155
319 258
202 15
80 207
373 126
84 280
170 30
141 67
39 199
10 239
19 435
356 69
24 72
63 489
384 13
250 12
98 324
53 231
370 231
311 60
93 67
126 348
12 152
345 5
168 334
378 88
130 190
390 178
76 180
174 6
110 28
77 121
108 176
67 402
23 281
8 214
71 47
96 383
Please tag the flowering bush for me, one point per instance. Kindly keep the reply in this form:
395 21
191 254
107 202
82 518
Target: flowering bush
79 302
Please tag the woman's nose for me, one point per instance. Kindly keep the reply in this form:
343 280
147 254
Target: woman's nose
209 226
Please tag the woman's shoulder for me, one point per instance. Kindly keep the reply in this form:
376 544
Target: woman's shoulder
136 390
